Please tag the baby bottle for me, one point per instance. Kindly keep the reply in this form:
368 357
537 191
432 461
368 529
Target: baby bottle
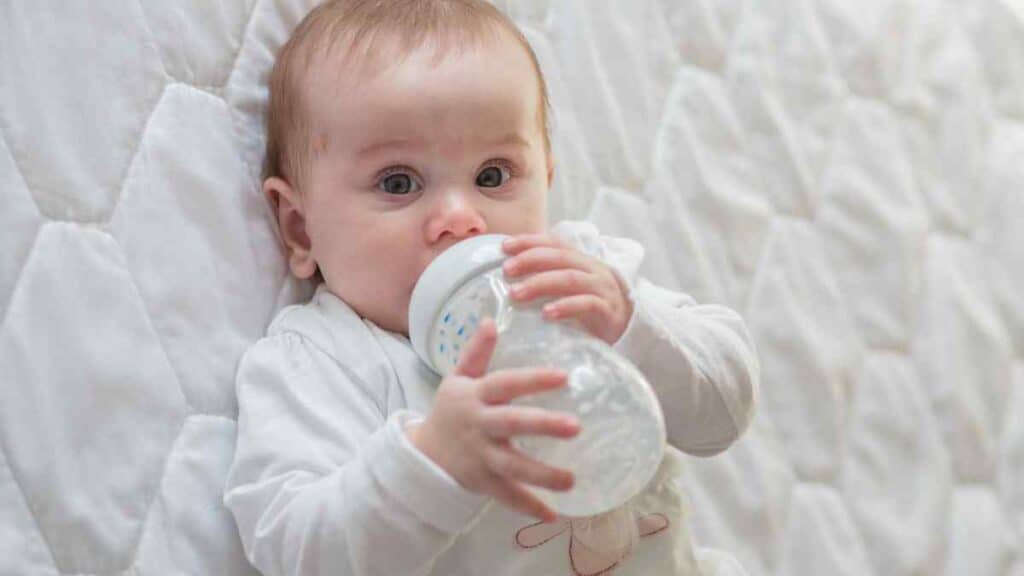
622 432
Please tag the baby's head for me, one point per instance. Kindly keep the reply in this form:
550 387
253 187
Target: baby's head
395 129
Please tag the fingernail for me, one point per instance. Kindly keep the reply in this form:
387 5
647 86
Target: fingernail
509 266
516 291
551 311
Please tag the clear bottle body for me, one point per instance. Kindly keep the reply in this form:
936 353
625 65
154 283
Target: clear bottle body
622 435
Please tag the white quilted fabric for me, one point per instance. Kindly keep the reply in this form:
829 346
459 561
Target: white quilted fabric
848 175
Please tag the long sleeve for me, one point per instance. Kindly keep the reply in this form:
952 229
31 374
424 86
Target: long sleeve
323 482
701 362
700 359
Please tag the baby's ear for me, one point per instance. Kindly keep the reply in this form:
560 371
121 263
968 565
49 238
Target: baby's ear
291 220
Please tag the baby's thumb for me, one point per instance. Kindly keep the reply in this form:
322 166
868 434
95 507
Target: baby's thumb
477 354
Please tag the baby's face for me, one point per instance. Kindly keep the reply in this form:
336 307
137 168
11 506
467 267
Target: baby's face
417 157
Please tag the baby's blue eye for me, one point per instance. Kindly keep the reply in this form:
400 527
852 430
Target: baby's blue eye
492 177
398 184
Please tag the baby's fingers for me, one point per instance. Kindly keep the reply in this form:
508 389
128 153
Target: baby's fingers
523 242
557 283
515 496
579 305
476 355
511 464
505 385
506 420
543 259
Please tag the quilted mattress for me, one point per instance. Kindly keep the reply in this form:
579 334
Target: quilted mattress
847 175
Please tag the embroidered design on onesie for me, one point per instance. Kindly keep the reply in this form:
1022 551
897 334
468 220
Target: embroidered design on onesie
598 544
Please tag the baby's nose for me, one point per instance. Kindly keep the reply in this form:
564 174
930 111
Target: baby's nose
457 218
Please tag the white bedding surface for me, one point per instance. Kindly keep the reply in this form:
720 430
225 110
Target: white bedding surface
847 175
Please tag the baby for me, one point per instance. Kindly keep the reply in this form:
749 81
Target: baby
396 129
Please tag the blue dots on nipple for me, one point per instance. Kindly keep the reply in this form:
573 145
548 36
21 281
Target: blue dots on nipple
451 341
460 319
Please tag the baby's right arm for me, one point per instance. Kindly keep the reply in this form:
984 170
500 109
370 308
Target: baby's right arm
323 482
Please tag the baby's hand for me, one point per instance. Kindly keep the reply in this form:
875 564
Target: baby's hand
468 429
584 288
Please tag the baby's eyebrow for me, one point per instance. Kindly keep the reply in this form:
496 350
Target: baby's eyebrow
511 139
377 147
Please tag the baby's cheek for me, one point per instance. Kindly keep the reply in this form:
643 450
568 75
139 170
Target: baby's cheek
532 217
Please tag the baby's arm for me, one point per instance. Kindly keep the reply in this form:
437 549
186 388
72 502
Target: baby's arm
322 482
701 361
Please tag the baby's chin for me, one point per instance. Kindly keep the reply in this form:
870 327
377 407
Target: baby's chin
397 323
402 325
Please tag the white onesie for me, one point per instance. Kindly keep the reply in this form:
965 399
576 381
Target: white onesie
325 482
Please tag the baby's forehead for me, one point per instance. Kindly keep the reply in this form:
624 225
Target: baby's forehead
349 74
357 55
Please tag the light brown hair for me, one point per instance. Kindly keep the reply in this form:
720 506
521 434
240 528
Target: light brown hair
360 26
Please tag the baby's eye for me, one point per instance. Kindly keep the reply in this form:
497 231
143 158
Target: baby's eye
492 176
398 184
